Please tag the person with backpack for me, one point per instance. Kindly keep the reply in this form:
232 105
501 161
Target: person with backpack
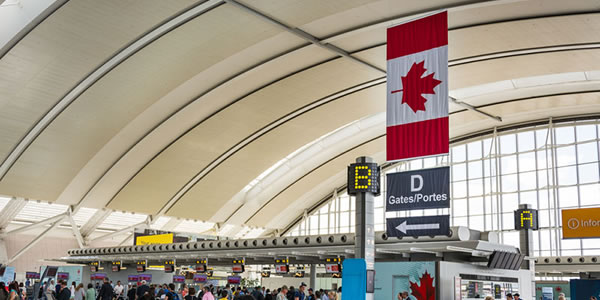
171 294
106 291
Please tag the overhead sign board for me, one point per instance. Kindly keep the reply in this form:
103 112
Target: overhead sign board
526 219
581 223
421 189
154 239
418 226
363 177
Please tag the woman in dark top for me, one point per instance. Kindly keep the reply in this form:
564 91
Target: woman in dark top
191 294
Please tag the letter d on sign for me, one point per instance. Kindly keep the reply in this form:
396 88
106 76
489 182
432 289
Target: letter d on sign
412 183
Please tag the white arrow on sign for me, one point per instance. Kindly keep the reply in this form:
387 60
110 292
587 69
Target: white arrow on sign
405 227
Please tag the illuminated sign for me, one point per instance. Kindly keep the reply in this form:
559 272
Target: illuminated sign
178 279
336 275
282 269
140 266
363 177
581 223
94 266
526 219
265 274
154 239
201 265
333 265
169 266
146 277
199 278
62 276
116 266
32 275
238 266
234 279
299 274
133 278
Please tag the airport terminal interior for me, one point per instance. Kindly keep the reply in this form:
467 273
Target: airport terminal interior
299 149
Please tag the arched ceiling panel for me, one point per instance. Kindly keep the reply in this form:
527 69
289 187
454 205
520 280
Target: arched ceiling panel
231 176
78 133
189 155
318 183
177 125
54 56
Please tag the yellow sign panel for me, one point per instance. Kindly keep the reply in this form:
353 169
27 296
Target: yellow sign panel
581 223
154 239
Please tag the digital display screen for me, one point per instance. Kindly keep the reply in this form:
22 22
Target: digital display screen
200 278
265 274
526 219
63 276
32 275
299 274
178 279
140 268
147 277
237 268
93 269
169 268
116 268
98 276
234 279
282 269
133 278
51 272
200 268
332 268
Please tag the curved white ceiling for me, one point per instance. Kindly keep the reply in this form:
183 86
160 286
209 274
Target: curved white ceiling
176 110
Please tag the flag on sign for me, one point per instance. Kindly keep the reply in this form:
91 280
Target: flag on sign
417 88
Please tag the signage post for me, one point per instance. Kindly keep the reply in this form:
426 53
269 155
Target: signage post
526 221
363 183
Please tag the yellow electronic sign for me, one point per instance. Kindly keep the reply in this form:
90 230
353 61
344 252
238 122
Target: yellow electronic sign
363 177
154 239
581 223
238 262
526 219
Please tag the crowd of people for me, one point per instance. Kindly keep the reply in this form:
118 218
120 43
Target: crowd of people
144 291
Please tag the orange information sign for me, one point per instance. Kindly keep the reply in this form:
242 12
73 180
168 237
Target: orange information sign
581 223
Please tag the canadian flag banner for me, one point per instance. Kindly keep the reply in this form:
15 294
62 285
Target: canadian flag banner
417 88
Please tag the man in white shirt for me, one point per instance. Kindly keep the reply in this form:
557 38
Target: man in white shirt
283 294
118 289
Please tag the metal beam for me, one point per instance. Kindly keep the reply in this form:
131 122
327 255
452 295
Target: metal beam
11 210
37 238
75 229
172 224
93 223
475 109
35 225
304 35
125 240
120 231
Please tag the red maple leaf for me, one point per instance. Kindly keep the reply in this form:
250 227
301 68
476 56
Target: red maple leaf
413 86
426 291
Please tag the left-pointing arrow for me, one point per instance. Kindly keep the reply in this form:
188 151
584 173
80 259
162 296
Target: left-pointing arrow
403 227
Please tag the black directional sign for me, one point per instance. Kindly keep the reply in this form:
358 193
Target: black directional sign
418 226
421 189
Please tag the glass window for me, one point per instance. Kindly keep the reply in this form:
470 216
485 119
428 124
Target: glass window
567 175
509 183
527 181
529 198
543 158
508 144
564 135
476 169
527 162
459 189
474 149
588 173
586 132
565 156
587 152
568 197
462 221
510 202
589 194
526 141
459 172
476 206
459 207
476 223
476 187
509 164
459 154
542 138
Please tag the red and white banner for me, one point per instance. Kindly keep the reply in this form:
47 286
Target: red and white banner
417 88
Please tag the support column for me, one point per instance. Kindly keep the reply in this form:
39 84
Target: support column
364 246
313 277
